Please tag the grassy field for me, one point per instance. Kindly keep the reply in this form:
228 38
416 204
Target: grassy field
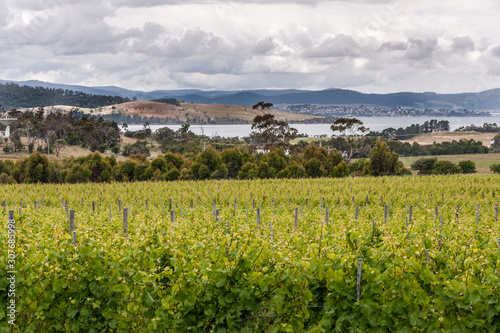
191 110
483 161
430 138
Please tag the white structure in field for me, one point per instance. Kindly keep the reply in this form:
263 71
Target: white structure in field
6 120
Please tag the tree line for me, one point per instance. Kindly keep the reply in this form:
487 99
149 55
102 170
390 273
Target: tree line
49 133
231 163
14 96
413 130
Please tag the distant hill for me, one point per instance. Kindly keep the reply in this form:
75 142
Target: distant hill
15 96
485 100
84 89
138 112
195 113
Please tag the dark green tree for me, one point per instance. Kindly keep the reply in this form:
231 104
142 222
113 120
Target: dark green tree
233 158
296 171
247 171
382 160
340 170
205 164
424 166
467 166
37 169
495 168
314 168
445 168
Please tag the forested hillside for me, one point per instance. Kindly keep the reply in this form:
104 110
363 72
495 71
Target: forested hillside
14 96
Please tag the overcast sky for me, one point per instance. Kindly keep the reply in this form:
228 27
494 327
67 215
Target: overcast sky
365 45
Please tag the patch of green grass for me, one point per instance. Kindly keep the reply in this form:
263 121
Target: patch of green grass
483 161
297 140
85 110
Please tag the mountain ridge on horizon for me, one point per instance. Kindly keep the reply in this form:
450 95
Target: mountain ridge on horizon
484 100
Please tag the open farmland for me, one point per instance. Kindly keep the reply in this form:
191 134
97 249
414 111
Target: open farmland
438 137
406 254
483 161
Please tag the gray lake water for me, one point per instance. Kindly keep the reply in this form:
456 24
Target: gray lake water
373 123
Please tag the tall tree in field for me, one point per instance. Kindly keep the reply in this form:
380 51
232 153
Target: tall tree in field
269 131
353 132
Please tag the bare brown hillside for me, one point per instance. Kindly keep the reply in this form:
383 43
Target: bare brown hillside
194 111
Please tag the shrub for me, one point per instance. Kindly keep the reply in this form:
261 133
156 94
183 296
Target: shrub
8 148
314 168
78 174
382 161
265 171
159 163
140 172
445 168
340 170
185 174
233 158
220 173
467 166
247 171
103 147
6 167
172 174
158 176
19 145
357 166
175 159
5 179
424 165
285 173
402 171
296 171
495 168
37 169
140 147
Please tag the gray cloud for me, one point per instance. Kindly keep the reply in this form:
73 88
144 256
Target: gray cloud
236 44
265 45
5 13
153 3
394 46
420 49
338 46
197 42
463 44
496 51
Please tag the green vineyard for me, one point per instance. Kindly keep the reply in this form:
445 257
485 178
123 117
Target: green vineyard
388 254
